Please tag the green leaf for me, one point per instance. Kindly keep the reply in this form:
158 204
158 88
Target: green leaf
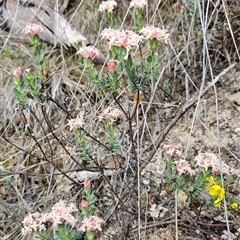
149 59
65 232
44 235
35 39
17 81
84 148
37 50
21 96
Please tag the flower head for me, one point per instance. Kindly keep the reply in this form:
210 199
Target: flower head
124 38
107 6
111 114
33 222
216 191
183 167
219 166
151 32
113 65
172 150
138 4
32 29
206 160
17 73
75 123
78 39
91 224
210 160
89 52
234 206
62 214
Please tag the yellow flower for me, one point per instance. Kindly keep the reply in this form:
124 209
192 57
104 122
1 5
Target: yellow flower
216 190
234 205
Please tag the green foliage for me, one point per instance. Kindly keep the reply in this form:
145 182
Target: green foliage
195 186
14 54
194 11
168 88
200 181
177 182
113 83
65 232
91 198
138 19
44 235
111 21
171 171
113 139
20 92
34 86
83 147
95 77
133 77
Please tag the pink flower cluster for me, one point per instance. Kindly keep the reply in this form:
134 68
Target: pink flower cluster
124 38
89 52
107 6
111 114
151 32
33 222
172 150
91 224
32 29
61 214
138 4
76 123
78 39
210 160
183 167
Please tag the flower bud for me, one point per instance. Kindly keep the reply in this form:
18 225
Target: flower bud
17 73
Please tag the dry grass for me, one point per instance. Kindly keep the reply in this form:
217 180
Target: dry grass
203 43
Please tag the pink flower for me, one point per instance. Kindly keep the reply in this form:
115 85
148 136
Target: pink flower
183 167
151 32
107 6
210 160
33 222
111 114
78 39
75 123
217 168
91 224
125 38
32 29
113 65
61 214
138 4
87 184
17 73
206 160
171 150
89 52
